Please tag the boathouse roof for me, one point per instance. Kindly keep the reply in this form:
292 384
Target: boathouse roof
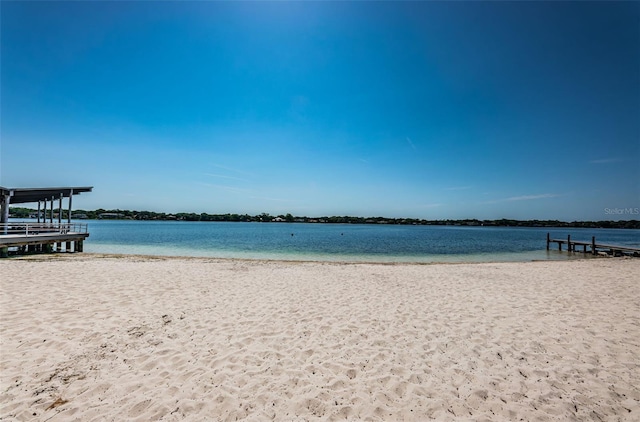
26 195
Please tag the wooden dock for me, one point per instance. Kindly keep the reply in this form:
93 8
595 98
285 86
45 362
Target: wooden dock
593 247
21 238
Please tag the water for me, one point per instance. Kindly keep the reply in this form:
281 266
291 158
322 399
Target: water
339 242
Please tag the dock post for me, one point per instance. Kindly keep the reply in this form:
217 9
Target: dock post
569 243
60 210
67 247
548 241
69 213
4 211
593 245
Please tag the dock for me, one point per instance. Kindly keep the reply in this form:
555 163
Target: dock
41 236
593 247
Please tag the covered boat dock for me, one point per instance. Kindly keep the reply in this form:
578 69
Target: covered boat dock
42 235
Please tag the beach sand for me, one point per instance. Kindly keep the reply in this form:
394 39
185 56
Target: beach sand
104 338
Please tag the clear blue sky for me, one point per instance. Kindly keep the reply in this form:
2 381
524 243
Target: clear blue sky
406 109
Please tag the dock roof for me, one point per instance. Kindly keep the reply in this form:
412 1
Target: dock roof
26 195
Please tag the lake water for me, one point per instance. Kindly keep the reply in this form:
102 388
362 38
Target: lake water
339 242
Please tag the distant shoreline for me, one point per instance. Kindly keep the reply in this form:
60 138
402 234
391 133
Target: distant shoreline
102 214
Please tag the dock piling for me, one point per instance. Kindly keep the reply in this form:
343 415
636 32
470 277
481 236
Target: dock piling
548 241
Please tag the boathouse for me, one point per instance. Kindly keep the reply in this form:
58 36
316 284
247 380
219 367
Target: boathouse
44 235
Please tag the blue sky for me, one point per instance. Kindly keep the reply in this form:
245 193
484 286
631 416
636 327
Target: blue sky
407 109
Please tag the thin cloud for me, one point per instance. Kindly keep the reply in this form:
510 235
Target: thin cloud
273 199
459 188
430 205
532 197
232 170
222 176
606 161
227 188
523 198
411 144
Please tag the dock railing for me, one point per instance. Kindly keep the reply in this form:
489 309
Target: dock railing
35 229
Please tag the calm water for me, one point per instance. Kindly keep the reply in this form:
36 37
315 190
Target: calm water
338 242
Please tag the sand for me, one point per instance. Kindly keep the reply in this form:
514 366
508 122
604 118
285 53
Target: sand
102 338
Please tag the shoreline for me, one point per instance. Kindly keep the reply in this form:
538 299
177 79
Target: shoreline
354 220
577 256
107 337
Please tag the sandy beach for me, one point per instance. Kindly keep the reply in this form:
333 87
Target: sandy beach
107 338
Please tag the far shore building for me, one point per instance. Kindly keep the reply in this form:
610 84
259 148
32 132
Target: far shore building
110 215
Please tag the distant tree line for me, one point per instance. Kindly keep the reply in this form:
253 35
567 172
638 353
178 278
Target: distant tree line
18 212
